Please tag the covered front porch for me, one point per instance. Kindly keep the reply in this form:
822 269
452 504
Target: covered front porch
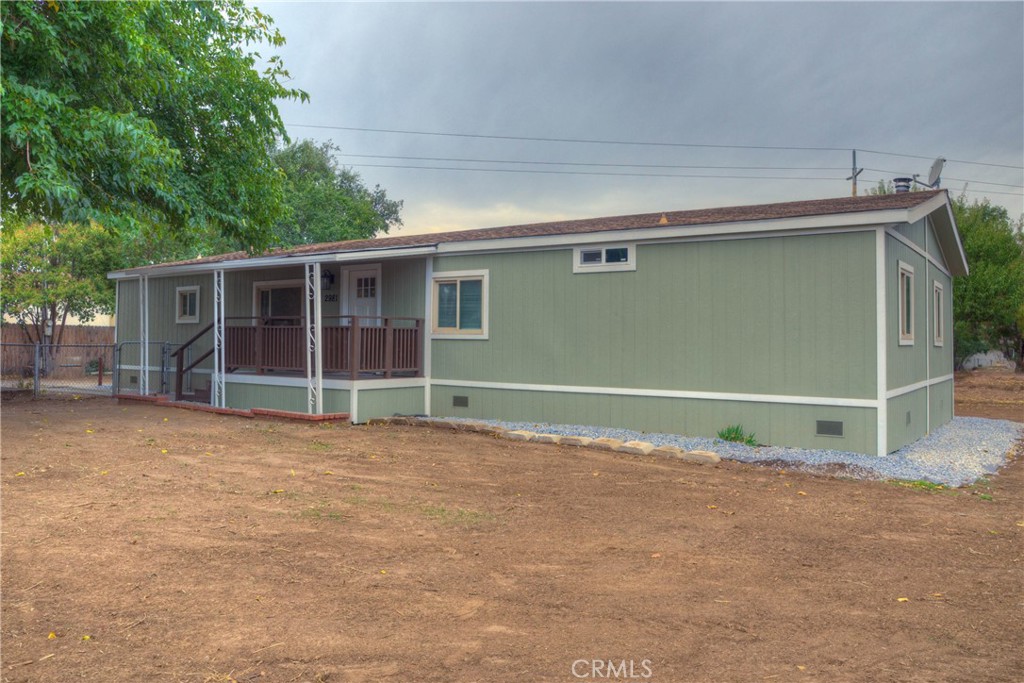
306 337
350 347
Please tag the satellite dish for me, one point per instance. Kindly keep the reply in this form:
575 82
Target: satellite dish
934 175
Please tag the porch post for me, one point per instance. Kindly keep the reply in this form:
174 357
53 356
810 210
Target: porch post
144 335
428 326
314 338
217 398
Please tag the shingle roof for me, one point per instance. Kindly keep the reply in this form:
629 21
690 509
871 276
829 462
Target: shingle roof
732 214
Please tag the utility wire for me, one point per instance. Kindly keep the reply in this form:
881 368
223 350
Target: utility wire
645 143
640 175
963 180
958 161
591 173
597 164
872 181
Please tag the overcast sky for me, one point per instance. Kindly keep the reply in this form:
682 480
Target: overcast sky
915 78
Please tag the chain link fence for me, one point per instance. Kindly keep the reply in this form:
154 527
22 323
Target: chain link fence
143 368
64 369
79 369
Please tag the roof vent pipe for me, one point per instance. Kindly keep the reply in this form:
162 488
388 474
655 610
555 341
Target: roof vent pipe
902 184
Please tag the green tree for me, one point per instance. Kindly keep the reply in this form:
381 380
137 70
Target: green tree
327 203
988 305
49 272
143 116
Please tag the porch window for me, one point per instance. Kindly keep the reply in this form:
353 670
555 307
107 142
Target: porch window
604 258
460 305
906 304
937 318
281 302
187 305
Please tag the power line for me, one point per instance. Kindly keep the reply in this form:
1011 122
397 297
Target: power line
591 173
958 161
597 164
963 180
1011 194
645 143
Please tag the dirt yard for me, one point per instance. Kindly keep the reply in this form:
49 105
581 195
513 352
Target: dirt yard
152 544
997 393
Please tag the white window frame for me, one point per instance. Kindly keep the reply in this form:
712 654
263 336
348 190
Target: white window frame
906 338
272 284
938 313
178 317
453 332
603 266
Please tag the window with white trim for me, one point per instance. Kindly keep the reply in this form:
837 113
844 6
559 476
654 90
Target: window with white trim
938 322
906 304
603 258
460 305
187 303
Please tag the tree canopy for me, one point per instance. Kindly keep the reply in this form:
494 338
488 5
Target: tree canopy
988 305
142 116
327 203
48 272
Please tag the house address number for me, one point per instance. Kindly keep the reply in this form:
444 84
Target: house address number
330 297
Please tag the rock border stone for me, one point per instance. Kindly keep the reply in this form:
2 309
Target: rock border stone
601 444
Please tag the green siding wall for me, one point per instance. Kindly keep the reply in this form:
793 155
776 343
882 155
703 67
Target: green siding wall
772 423
906 364
941 397
932 246
402 288
902 430
940 360
387 402
293 398
915 232
789 315
126 327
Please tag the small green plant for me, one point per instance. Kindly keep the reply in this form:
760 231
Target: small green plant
736 434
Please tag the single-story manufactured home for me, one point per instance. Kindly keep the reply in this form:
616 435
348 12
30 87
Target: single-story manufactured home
820 324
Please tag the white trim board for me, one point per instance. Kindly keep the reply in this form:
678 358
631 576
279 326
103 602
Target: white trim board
859 220
881 349
344 384
903 239
665 393
917 386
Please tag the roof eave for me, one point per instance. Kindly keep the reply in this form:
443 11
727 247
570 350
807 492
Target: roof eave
940 210
269 261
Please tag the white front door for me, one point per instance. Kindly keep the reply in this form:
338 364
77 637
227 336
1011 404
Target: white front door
364 294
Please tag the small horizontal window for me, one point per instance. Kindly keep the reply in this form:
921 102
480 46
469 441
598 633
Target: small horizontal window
187 305
602 259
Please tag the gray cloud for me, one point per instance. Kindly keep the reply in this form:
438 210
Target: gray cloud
917 78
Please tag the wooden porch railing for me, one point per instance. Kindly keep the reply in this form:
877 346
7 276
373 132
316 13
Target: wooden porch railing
353 345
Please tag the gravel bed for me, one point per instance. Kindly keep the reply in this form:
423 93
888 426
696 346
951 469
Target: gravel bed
955 454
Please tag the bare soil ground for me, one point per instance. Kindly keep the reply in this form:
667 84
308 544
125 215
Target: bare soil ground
150 544
996 393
